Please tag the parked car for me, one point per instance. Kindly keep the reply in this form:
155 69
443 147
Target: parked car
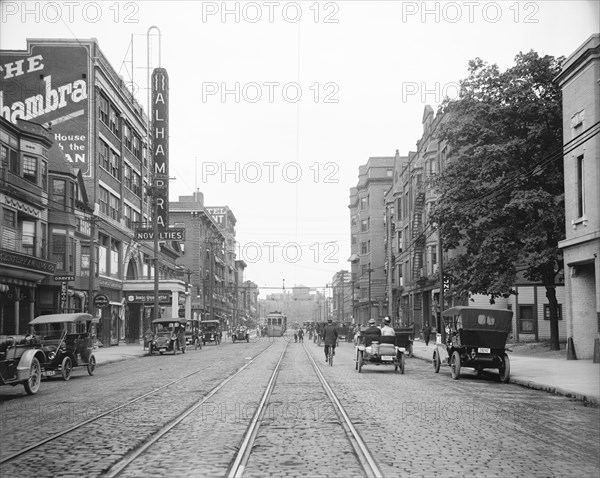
21 362
476 338
239 334
67 341
168 335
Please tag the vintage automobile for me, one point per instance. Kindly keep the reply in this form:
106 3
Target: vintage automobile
379 350
212 332
21 362
193 333
476 338
404 338
67 341
240 334
168 335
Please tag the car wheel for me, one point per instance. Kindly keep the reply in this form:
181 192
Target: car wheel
32 384
455 365
436 362
91 366
66 368
150 351
356 361
504 369
360 361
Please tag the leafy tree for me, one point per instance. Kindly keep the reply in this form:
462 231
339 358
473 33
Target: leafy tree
502 193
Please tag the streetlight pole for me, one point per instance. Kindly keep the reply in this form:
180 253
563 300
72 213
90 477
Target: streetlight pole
370 306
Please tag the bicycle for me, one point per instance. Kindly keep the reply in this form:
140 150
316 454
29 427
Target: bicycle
330 354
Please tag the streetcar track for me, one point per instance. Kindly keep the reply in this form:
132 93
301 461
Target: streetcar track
132 455
361 450
82 424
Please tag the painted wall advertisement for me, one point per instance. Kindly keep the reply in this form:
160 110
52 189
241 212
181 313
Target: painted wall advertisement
48 84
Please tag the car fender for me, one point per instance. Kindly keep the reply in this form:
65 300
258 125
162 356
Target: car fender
442 352
25 362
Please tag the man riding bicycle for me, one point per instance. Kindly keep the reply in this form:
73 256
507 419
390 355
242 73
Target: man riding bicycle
330 337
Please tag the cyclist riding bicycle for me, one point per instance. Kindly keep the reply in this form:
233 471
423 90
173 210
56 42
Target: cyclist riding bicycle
330 337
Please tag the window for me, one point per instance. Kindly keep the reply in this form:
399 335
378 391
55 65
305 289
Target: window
13 161
113 207
353 239
399 208
44 174
364 247
9 218
580 187
114 257
59 193
3 157
145 155
104 155
113 121
43 244
104 110
102 254
127 136
137 149
28 237
365 225
400 241
59 246
115 165
30 169
353 221
103 200
127 215
137 182
547 311
364 202
389 173
526 319
127 176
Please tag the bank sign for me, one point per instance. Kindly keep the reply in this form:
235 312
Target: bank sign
48 84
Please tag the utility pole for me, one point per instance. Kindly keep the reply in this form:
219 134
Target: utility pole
438 324
92 276
370 307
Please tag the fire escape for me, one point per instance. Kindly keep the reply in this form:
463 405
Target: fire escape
417 232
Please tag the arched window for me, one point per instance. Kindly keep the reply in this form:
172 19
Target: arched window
131 270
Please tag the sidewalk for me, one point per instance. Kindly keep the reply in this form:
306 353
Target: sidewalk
579 379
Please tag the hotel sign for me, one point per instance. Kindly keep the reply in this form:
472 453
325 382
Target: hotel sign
160 145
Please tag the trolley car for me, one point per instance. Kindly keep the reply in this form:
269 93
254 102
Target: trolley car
276 324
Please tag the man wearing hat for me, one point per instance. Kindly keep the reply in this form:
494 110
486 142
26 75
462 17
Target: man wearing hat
330 337
387 329
372 329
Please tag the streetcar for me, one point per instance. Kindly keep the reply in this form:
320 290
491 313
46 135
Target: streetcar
276 324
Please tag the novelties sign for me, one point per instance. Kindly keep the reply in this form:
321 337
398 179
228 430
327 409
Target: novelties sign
48 84
160 145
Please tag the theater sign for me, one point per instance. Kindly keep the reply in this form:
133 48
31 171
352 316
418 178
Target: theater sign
48 84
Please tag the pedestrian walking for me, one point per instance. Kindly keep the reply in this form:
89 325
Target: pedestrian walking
301 334
426 333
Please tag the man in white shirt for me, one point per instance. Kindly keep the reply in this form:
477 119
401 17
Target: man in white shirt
386 329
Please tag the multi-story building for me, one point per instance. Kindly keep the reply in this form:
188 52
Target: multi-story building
203 255
24 258
580 83
98 128
367 210
250 303
341 291
413 250
226 221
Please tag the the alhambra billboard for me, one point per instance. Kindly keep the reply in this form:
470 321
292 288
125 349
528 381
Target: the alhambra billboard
49 84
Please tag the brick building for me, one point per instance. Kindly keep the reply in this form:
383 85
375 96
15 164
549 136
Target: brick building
580 83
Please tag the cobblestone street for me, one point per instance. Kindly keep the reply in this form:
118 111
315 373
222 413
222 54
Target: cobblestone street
418 423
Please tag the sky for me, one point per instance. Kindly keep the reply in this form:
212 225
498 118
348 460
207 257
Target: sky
275 105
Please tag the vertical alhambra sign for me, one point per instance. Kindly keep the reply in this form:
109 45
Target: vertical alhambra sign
160 142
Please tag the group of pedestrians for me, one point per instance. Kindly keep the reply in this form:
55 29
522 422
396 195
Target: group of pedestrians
299 335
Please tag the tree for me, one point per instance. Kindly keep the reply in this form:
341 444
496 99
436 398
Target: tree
502 193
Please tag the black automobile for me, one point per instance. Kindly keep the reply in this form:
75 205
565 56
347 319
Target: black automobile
21 362
67 341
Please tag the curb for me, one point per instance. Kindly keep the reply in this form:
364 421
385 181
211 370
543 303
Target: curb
585 399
